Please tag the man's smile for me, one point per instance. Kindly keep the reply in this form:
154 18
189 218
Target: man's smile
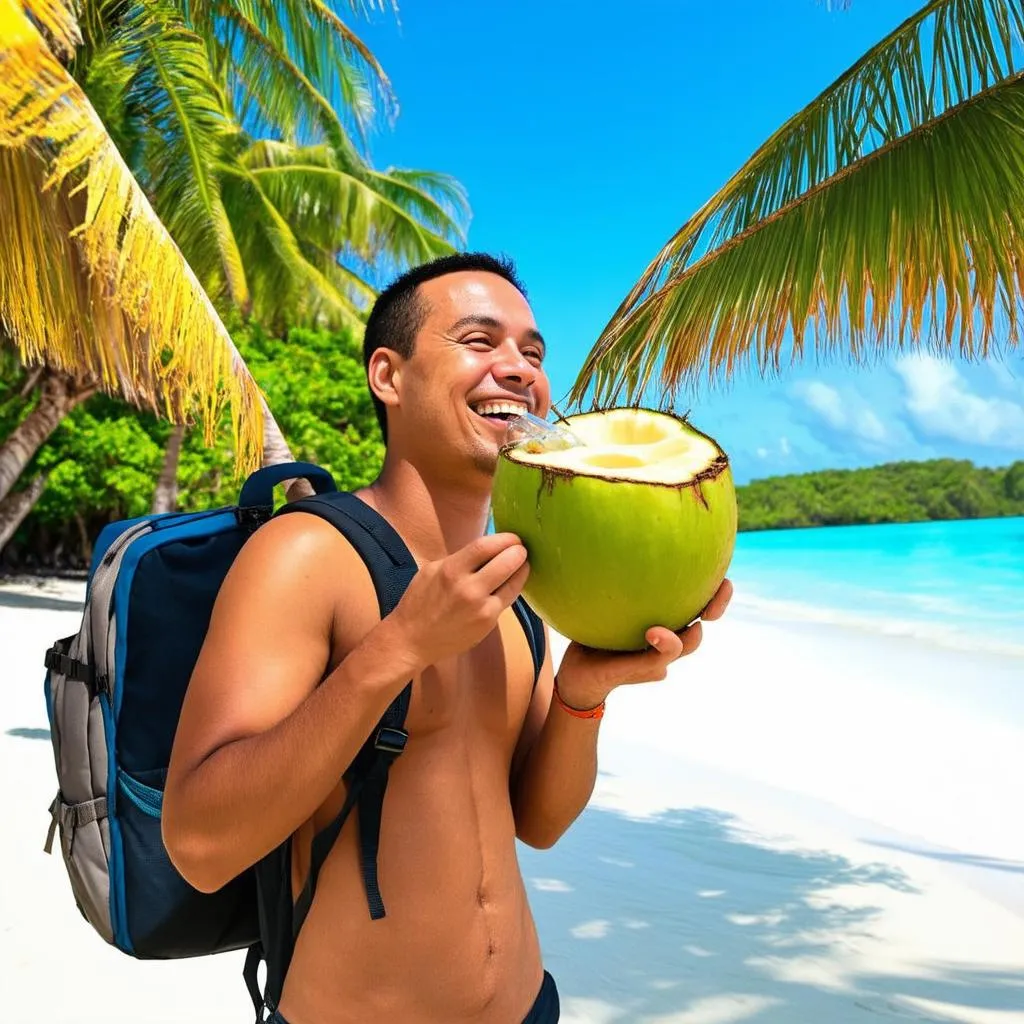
497 412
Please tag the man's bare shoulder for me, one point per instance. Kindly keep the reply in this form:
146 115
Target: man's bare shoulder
272 635
297 556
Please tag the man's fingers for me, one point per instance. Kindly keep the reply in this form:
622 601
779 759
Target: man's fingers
665 642
716 607
479 552
651 664
501 567
690 638
513 586
666 647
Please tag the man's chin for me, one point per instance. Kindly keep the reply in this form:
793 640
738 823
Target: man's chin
486 461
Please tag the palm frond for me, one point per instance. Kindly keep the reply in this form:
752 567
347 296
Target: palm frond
85 228
189 133
436 199
54 19
344 277
332 53
303 52
283 278
50 306
290 103
928 69
921 241
367 212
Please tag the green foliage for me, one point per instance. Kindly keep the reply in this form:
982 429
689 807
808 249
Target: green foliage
898 492
1013 482
104 459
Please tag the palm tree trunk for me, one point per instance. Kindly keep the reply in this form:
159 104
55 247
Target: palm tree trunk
165 497
60 393
15 507
276 450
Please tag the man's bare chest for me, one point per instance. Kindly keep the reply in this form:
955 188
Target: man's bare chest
486 689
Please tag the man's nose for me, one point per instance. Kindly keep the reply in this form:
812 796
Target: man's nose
512 366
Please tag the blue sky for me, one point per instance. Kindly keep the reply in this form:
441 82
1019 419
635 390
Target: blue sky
586 134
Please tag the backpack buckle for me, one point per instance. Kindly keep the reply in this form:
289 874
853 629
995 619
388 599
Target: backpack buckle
71 668
63 664
390 740
252 517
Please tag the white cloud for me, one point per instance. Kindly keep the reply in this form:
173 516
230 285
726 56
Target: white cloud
783 450
1010 378
826 402
591 930
852 416
941 404
550 885
869 426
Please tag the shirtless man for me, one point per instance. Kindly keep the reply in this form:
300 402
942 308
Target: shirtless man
298 667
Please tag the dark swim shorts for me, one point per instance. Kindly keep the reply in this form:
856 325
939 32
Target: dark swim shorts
546 1009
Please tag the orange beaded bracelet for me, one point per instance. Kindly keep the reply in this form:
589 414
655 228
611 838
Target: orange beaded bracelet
595 713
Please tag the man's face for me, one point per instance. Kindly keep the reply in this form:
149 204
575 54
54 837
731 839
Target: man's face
477 360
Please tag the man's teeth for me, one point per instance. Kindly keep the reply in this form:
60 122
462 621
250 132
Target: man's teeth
498 409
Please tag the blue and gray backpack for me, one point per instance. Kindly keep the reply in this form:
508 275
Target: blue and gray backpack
114 692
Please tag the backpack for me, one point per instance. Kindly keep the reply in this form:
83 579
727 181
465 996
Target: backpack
114 692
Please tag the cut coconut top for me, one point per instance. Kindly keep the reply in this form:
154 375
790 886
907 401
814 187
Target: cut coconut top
629 444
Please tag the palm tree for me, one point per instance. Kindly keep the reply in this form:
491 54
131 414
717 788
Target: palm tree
163 77
227 109
93 290
888 212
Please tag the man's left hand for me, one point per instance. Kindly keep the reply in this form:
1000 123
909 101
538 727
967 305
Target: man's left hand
586 676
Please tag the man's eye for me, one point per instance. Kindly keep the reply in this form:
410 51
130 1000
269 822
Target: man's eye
534 353
479 341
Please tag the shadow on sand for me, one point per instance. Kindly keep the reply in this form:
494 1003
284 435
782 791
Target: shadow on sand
46 602
971 860
24 732
684 919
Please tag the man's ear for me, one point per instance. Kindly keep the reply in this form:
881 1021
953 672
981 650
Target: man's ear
384 375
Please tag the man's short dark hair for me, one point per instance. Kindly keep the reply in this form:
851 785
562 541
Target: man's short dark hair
398 311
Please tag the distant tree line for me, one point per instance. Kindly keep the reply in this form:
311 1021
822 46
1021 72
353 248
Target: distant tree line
897 492
103 461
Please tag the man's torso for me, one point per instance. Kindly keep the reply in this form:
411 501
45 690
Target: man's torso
458 941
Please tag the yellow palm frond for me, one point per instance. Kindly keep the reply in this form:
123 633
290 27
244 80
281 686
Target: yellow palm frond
90 279
55 17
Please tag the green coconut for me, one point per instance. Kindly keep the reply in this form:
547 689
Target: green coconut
633 528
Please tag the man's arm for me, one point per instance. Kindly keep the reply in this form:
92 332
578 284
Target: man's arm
555 766
263 737
260 745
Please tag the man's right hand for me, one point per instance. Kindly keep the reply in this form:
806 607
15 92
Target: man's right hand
453 603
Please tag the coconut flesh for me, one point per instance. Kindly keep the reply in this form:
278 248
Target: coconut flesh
632 528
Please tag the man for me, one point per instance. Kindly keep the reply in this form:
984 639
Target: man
298 667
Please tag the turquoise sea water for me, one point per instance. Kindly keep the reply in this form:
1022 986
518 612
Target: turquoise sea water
958 582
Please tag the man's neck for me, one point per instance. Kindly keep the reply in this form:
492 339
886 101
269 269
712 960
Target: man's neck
434 518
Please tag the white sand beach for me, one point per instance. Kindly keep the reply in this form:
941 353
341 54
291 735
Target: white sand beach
805 823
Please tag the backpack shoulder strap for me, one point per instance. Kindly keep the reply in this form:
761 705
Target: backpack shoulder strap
391 568
534 629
